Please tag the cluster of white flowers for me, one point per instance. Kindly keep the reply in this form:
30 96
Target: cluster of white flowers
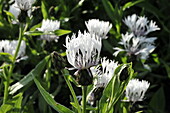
139 46
97 27
135 42
104 73
135 90
21 5
139 25
49 26
83 51
7 46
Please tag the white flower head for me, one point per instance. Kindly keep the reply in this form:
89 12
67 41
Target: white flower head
104 73
97 27
7 46
139 46
21 9
49 26
135 90
83 51
24 5
140 25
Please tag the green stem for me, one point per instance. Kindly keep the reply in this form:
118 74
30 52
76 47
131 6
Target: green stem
97 102
72 91
7 82
84 91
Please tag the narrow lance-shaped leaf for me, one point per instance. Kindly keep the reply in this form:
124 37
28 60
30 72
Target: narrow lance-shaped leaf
58 107
109 9
28 78
6 57
44 9
58 32
67 79
61 32
34 33
130 4
114 89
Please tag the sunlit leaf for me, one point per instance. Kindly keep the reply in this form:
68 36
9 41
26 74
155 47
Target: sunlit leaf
61 32
34 33
6 57
130 4
13 105
44 9
58 107
28 78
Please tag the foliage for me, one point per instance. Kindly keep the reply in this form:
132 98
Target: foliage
40 83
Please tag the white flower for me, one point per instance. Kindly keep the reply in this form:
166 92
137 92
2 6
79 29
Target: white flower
24 5
49 26
7 46
140 26
100 28
104 73
21 6
139 46
83 51
135 90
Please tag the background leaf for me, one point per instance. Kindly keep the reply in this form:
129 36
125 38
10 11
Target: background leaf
158 101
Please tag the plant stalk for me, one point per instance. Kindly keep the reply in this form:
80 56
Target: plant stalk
84 91
7 82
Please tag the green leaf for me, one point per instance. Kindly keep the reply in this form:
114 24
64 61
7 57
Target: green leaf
35 27
158 101
44 9
115 89
58 107
67 79
109 9
61 32
166 67
115 14
28 78
34 33
13 105
58 32
6 57
10 14
130 4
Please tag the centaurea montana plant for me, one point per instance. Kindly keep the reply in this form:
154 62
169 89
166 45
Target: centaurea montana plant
135 42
